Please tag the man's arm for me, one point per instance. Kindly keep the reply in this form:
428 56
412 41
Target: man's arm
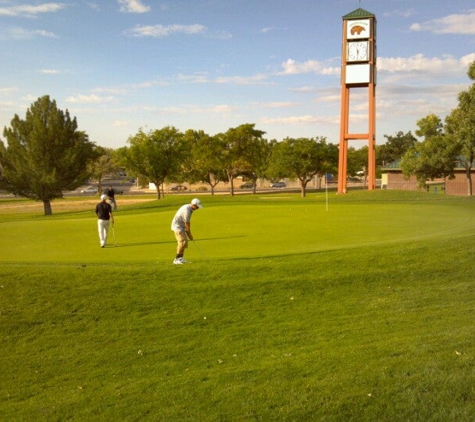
188 231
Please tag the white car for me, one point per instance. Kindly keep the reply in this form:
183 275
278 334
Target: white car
90 189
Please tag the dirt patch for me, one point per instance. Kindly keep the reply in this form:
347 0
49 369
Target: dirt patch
61 205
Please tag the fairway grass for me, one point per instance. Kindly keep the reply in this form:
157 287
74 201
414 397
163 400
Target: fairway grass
361 312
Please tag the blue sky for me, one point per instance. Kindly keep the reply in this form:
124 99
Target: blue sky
122 65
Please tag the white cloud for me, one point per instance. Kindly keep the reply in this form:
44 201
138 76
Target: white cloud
89 99
93 6
451 24
149 84
277 104
18 33
8 91
290 120
31 11
164 31
46 34
124 89
291 67
221 35
427 66
305 89
113 90
404 13
49 71
203 78
197 78
242 80
133 6
222 109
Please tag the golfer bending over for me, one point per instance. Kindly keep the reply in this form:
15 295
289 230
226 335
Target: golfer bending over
181 227
104 215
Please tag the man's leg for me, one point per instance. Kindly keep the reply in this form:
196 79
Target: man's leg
182 244
103 227
106 230
100 229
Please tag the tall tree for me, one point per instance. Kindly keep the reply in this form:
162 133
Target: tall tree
434 157
104 165
242 154
156 155
358 162
460 128
394 148
46 154
301 158
204 163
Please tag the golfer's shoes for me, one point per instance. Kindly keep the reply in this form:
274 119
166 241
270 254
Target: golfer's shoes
178 261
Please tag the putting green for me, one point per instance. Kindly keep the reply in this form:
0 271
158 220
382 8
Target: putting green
259 227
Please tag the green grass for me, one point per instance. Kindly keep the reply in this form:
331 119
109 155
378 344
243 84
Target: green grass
361 312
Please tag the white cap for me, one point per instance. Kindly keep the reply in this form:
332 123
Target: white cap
103 197
197 202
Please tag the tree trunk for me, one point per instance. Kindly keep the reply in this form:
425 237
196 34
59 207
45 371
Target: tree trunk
47 207
468 173
157 187
229 173
303 188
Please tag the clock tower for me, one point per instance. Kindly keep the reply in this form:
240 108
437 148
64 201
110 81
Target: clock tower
358 71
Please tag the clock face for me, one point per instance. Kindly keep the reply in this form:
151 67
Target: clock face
357 51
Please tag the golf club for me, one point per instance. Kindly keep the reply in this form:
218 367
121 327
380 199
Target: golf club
113 233
201 251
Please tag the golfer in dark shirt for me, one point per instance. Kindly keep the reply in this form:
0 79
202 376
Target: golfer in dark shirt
111 194
104 215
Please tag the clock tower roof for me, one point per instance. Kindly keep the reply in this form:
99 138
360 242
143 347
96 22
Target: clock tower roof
358 14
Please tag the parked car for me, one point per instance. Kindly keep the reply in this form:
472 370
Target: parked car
248 185
179 187
90 189
278 185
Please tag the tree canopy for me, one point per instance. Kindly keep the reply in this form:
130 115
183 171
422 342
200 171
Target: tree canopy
302 158
204 163
460 128
445 146
243 153
433 158
45 154
395 147
157 155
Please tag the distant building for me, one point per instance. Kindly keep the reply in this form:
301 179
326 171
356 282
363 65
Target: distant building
392 178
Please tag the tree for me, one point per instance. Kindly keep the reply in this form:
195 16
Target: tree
105 164
242 154
156 155
204 164
46 154
358 162
394 148
259 155
460 128
301 158
435 157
